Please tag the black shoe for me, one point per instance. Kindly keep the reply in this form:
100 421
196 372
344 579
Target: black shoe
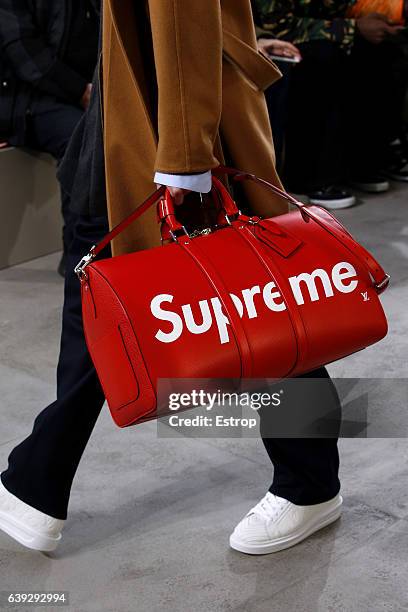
373 183
332 197
397 171
61 266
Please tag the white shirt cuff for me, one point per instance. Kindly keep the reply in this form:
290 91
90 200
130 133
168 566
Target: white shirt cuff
194 182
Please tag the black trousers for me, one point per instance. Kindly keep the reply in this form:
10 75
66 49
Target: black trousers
41 469
342 113
50 125
277 102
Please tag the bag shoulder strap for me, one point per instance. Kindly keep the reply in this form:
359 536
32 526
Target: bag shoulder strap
329 223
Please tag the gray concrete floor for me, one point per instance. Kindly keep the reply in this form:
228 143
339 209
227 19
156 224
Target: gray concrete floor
149 519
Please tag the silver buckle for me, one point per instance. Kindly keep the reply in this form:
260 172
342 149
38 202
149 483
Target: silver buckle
381 285
174 236
252 222
85 261
236 216
203 232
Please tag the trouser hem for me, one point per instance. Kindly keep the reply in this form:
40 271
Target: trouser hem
53 512
308 498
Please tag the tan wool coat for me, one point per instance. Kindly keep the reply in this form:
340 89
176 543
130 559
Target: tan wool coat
179 78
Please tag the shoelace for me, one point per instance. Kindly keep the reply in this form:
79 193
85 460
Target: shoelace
269 507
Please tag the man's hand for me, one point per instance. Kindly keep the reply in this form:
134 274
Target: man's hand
271 46
86 98
177 194
375 27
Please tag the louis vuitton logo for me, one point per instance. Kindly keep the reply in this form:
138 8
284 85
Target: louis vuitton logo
365 296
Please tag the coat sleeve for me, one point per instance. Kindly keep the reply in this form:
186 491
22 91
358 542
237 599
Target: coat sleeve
32 60
187 41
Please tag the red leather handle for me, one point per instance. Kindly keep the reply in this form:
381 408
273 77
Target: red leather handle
380 278
227 202
118 229
166 208
166 212
239 175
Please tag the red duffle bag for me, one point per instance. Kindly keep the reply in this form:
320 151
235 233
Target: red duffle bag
247 298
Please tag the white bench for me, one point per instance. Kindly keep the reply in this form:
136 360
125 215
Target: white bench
30 206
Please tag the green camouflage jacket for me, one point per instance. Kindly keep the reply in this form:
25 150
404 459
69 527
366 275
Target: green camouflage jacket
303 20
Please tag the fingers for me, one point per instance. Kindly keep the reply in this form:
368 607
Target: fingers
278 47
390 26
393 29
265 47
265 43
178 194
288 46
291 50
379 16
287 52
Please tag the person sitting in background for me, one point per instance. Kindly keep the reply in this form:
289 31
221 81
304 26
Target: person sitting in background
285 54
48 53
340 102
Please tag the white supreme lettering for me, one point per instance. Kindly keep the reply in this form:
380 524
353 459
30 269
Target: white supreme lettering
270 298
310 282
343 278
166 315
338 276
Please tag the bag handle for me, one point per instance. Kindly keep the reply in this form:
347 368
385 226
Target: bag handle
166 212
240 175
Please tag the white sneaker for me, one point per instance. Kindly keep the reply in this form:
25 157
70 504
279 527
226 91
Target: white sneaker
371 184
275 523
332 198
28 525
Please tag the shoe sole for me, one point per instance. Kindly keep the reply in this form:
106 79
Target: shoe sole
26 536
334 204
397 177
282 543
372 188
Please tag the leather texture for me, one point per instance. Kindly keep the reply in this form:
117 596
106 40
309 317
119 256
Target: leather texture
251 299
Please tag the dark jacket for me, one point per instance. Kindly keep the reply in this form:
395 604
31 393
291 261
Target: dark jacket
301 21
33 38
82 170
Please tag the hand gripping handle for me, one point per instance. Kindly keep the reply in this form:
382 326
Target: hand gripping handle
166 212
